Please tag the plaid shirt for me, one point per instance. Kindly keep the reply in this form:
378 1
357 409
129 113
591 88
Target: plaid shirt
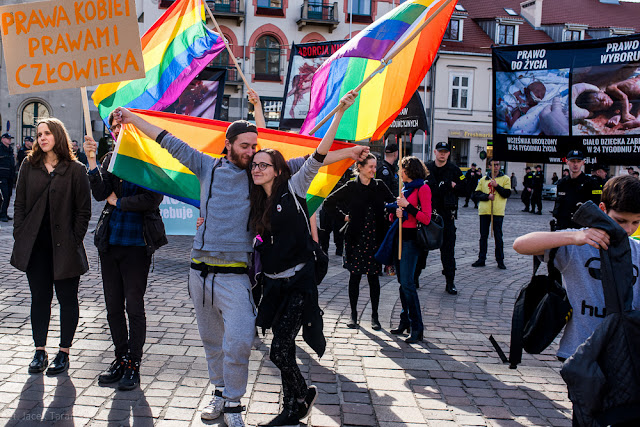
125 228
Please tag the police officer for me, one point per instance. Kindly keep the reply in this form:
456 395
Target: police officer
536 194
527 183
24 150
7 174
599 172
447 183
387 169
573 190
471 178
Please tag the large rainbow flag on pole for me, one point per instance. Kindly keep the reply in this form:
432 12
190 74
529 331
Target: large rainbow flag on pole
380 100
141 160
175 49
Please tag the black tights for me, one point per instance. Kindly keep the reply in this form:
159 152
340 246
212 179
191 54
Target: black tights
283 348
354 291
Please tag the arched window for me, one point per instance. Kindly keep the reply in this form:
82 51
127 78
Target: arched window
267 58
31 113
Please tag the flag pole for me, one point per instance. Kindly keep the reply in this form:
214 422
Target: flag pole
383 63
400 193
233 57
493 191
87 117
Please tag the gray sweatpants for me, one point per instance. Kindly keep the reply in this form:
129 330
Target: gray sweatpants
227 328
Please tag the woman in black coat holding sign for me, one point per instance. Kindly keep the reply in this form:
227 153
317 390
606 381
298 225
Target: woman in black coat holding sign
361 203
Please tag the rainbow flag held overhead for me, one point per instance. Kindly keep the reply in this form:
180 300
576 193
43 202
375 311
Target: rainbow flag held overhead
141 160
381 99
175 49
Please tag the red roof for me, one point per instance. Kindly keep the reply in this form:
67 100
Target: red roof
585 12
592 13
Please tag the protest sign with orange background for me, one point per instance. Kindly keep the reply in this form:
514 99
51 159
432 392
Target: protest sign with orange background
63 44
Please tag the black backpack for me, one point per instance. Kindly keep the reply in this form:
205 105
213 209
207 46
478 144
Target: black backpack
540 312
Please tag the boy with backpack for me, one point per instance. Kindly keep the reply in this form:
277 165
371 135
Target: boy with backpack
578 260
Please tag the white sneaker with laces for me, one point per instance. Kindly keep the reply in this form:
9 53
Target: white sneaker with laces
214 408
233 416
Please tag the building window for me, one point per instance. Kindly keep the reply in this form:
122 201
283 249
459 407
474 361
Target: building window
460 93
361 7
224 108
571 35
506 34
31 113
271 108
267 57
453 30
270 4
459 151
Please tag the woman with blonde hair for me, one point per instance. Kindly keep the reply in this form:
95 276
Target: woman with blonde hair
51 215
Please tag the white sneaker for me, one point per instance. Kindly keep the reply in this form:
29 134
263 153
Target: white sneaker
233 416
214 408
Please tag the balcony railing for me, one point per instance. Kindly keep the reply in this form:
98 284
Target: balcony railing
319 13
232 9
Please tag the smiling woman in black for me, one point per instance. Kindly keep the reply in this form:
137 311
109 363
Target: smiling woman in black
361 203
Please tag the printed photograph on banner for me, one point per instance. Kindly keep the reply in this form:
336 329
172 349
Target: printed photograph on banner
202 97
297 101
606 100
533 102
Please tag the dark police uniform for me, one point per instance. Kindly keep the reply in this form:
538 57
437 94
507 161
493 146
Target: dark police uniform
571 192
536 194
7 176
526 195
444 200
471 178
388 174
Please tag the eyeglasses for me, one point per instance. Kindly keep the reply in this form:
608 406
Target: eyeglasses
262 165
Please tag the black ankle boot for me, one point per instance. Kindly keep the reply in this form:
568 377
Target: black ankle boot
59 364
114 372
400 329
131 376
39 362
353 322
375 323
414 338
288 416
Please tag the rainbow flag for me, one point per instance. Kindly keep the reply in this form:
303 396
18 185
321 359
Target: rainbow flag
141 160
382 99
175 49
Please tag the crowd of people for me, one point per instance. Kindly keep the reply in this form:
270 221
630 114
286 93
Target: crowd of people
253 204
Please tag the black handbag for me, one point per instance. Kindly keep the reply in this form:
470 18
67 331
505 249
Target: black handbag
101 233
321 258
430 236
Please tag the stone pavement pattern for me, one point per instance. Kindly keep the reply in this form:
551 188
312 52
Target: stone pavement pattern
366 378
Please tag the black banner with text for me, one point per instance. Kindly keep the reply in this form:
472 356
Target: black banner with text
555 97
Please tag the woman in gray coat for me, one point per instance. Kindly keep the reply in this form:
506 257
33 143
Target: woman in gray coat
51 215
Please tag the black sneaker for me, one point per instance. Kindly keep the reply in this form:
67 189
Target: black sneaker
131 376
304 408
287 418
114 372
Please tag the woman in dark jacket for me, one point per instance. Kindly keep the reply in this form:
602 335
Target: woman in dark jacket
414 205
52 212
290 299
128 232
361 203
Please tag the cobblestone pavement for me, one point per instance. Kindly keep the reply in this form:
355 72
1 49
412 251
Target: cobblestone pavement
366 378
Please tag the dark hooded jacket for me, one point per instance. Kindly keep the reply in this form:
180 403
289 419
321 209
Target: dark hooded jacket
603 375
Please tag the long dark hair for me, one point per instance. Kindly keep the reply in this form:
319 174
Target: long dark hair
260 216
62 147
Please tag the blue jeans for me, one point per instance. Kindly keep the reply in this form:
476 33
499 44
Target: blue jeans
405 269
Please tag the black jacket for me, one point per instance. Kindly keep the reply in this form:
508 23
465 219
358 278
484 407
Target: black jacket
104 183
603 375
443 196
7 163
388 174
570 193
354 199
